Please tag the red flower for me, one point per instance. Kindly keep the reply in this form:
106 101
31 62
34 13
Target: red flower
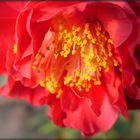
76 57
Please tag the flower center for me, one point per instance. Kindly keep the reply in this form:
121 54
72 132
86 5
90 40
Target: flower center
82 52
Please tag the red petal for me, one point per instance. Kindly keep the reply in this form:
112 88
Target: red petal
111 86
84 118
114 19
135 5
8 15
130 64
56 114
14 89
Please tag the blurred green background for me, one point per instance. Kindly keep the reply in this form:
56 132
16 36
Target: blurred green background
20 120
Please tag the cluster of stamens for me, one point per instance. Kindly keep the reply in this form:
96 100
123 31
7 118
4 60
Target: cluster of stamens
94 49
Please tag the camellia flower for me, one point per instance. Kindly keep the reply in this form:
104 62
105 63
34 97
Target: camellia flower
77 57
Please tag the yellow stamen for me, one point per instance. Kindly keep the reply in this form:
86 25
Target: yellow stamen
95 50
15 49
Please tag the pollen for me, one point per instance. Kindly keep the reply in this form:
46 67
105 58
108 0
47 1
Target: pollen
90 50
15 49
50 84
95 55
